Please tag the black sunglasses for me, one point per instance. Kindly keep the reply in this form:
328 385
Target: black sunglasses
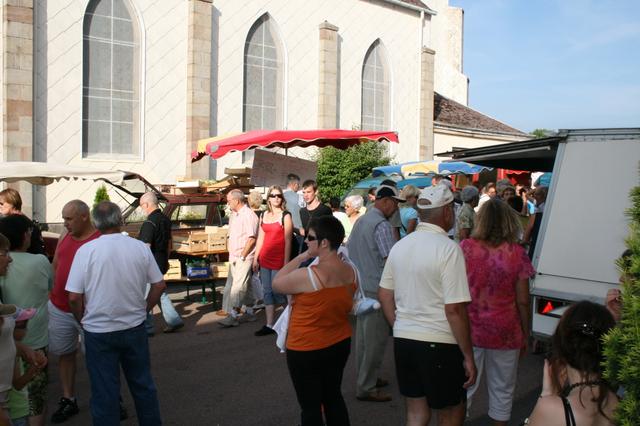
275 196
312 238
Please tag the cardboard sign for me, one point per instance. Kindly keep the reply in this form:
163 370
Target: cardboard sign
270 168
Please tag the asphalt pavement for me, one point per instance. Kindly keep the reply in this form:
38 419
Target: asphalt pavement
211 376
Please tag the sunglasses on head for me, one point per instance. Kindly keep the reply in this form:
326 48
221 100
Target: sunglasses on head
275 196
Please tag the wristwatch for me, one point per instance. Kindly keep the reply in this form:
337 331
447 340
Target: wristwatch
242 258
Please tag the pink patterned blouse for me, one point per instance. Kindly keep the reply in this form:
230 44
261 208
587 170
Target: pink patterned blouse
493 273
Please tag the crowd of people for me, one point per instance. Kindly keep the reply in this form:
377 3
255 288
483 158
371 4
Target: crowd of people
449 268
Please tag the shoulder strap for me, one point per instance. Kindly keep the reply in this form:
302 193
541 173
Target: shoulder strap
312 278
284 213
568 412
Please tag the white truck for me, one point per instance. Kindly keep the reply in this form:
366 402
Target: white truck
584 224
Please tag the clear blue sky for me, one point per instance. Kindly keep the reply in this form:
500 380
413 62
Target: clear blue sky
555 64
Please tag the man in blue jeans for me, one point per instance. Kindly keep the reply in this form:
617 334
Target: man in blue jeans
107 284
156 233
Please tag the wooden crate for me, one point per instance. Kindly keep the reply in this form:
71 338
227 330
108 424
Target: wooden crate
217 238
175 271
220 267
194 242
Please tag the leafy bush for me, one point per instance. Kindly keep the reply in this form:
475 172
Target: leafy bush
339 170
101 195
622 344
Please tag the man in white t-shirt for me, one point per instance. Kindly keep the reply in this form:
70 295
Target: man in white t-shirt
424 292
107 284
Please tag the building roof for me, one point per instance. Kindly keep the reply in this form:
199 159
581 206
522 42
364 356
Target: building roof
415 3
451 113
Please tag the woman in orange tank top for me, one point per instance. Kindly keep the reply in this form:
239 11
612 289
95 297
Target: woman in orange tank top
319 336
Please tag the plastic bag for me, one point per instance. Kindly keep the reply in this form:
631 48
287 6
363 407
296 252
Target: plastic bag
256 287
281 327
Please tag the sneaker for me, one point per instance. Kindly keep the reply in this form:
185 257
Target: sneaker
66 409
247 318
265 331
171 329
228 322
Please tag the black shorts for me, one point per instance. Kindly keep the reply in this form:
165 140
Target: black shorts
431 370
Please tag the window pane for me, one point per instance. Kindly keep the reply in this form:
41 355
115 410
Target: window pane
122 31
97 69
253 88
252 117
269 118
100 27
122 111
122 67
122 138
98 136
120 10
100 7
98 109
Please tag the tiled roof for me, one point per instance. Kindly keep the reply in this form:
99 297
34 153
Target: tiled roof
451 113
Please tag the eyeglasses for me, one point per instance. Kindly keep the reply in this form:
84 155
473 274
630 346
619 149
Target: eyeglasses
312 238
275 196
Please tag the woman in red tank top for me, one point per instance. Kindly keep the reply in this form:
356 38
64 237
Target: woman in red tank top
319 335
272 251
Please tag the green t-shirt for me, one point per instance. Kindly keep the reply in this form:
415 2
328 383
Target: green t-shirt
27 284
18 404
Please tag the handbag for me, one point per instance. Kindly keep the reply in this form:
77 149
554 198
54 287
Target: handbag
362 304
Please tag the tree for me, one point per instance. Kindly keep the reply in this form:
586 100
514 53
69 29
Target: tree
101 195
622 344
339 170
542 133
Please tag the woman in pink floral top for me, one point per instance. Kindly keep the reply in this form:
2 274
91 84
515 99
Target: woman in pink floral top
498 270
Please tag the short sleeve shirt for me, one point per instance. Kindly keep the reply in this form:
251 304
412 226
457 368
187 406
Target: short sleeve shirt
426 271
465 219
242 226
407 214
156 231
27 284
493 273
112 272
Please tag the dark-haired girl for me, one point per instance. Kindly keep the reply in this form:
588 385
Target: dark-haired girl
573 389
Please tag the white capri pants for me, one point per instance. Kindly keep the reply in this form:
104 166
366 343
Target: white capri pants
501 367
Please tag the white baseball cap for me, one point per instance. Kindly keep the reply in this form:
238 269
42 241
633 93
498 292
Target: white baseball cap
433 197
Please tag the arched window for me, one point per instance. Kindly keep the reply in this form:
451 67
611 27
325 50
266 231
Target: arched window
110 81
263 78
375 89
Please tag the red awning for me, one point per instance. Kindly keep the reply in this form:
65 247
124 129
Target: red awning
218 147
515 172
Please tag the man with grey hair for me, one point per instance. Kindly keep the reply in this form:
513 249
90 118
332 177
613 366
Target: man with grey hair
107 285
243 233
156 233
64 330
424 293
369 244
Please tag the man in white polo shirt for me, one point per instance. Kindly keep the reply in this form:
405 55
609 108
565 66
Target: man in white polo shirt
107 284
424 293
